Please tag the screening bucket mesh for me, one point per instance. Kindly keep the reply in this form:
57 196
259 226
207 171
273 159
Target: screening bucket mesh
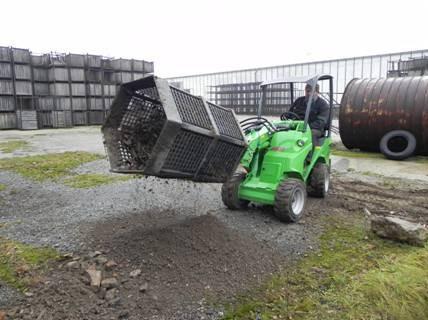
156 129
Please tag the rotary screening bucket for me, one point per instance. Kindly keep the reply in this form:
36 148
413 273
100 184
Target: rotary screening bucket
156 129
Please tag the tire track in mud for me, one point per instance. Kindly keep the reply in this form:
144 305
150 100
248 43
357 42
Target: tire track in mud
377 197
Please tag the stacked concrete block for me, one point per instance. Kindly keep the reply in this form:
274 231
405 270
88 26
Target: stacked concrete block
7 120
26 119
21 61
76 102
75 60
123 76
44 103
93 61
94 89
123 70
26 116
61 119
141 68
149 67
138 65
110 91
62 90
109 84
59 92
40 68
16 90
5 54
7 99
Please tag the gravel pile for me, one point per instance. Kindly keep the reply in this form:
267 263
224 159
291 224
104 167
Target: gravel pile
146 273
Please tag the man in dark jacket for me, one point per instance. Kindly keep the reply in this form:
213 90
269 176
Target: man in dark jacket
318 118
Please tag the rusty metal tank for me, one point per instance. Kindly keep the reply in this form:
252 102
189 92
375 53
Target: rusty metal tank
370 108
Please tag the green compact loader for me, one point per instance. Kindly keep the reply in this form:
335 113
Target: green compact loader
154 128
281 164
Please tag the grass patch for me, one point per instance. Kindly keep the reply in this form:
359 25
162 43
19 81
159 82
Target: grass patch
357 154
58 167
2 187
19 262
49 166
354 275
371 174
13 145
91 180
420 159
384 180
398 290
372 155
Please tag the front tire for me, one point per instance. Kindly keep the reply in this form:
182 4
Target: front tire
230 192
319 181
290 200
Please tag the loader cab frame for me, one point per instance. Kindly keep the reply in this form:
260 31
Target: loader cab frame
291 81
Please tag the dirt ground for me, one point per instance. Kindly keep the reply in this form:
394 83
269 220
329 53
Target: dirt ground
187 264
183 259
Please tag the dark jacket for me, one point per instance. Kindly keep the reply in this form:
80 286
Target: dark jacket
318 118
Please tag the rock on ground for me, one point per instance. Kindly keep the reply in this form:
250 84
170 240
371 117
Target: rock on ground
399 229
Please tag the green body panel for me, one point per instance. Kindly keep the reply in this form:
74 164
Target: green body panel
270 158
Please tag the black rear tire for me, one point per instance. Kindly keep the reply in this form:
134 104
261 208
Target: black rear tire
319 181
398 144
290 200
230 192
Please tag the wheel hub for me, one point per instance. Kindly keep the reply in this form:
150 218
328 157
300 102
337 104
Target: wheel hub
298 202
327 183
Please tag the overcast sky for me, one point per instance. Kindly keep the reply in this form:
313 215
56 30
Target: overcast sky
187 37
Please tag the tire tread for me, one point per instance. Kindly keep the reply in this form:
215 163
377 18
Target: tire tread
281 205
317 180
229 192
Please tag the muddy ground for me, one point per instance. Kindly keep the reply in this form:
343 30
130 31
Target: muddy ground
189 266
169 249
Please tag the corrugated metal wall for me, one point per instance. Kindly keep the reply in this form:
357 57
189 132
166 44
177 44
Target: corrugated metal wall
343 71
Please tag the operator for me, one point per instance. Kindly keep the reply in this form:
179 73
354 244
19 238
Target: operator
318 118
